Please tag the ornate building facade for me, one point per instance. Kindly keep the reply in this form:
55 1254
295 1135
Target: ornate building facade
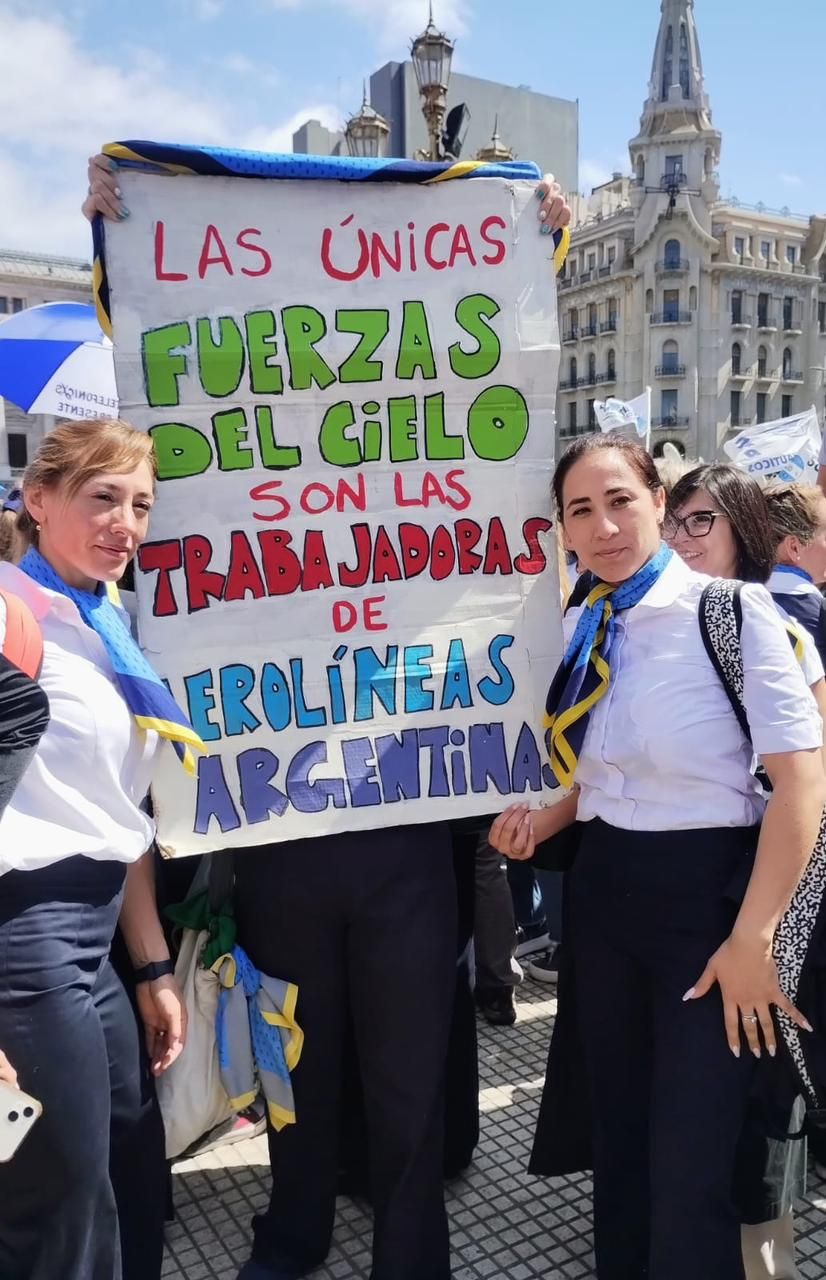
720 308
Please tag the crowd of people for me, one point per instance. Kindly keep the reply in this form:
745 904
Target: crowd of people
652 892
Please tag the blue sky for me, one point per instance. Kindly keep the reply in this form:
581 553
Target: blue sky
74 73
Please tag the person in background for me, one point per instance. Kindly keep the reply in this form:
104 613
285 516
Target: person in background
497 972
677 888
11 544
326 914
798 520
720 520
74 862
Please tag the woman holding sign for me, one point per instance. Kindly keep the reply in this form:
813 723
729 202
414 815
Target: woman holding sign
74 863
676 891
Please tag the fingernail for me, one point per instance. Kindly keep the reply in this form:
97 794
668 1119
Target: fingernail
124 213
756 1053
689 995
735 1049
540 193
807 1026
545 230
113 164
772 1050
543 213
117 192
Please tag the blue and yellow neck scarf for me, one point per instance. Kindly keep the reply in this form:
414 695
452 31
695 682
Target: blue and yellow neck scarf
585 672
143 691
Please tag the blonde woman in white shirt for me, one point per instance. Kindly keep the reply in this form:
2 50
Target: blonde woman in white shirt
675 891
74 862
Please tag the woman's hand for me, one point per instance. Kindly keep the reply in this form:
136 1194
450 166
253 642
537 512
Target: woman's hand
104 192
745 971
163 1014
513 833
8 1075
554 213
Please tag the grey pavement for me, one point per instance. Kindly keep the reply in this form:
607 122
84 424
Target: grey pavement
504 1225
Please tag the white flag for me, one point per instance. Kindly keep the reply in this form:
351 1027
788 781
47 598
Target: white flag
620 415
787 449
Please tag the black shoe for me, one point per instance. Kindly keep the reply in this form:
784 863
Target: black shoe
544 968
497 1007
531 938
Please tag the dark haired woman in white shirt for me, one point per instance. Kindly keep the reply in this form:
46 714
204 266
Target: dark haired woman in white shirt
675 891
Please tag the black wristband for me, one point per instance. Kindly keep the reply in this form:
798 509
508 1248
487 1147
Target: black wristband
156 969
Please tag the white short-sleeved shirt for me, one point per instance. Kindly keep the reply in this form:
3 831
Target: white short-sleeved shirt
663 750
83 790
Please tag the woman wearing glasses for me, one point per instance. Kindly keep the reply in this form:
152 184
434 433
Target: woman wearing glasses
676 891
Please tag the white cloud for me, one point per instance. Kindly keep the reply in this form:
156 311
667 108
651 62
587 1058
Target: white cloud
790 180
59 103
391 24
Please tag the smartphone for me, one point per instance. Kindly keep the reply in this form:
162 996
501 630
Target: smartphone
18 1112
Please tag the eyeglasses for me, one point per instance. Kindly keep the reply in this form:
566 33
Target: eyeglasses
698 524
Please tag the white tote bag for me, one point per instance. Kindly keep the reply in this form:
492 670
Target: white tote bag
190 1093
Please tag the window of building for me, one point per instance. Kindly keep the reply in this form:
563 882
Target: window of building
671 304
572 265
692 298
668 64
788 313
649 301
737 306
612 254
592 318
592 417
592 261
787 362
668 406
18 304
762 362
672 255
821 316
740 247
762 400
765 249
592 368
572 321
736 357
736 400
791 254
572 416
18 445
674 166
786 406
762 310
612 312
572 371
611 363
4 306
684 85
670 357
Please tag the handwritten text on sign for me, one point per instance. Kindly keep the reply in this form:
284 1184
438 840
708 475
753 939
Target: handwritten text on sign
350 581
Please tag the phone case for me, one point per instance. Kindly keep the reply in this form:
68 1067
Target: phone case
18 1112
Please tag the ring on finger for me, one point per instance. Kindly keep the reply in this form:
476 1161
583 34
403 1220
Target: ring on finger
749 1017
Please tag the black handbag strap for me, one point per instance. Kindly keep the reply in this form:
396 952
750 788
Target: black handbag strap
721 623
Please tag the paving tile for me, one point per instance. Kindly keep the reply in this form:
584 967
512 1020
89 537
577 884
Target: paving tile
505 1225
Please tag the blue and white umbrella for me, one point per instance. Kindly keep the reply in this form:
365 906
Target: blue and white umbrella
56 359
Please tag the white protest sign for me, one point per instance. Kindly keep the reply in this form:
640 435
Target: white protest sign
351 578
787 449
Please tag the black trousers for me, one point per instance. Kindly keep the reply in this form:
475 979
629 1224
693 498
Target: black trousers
365 921
74 1199
669 1098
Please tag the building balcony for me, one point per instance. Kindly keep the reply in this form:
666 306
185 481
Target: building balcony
609 325
766 375
606 270
565 284
610 376
740 421
792 324
672 266
589 330
570 384
586 276
740 321
581 429
570 335
792 375
767 323
671 420
671 317
670 370
740 374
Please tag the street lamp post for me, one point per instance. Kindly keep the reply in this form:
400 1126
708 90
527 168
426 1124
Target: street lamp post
431 53
366 132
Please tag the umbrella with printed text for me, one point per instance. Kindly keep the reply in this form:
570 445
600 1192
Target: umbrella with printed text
56 359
